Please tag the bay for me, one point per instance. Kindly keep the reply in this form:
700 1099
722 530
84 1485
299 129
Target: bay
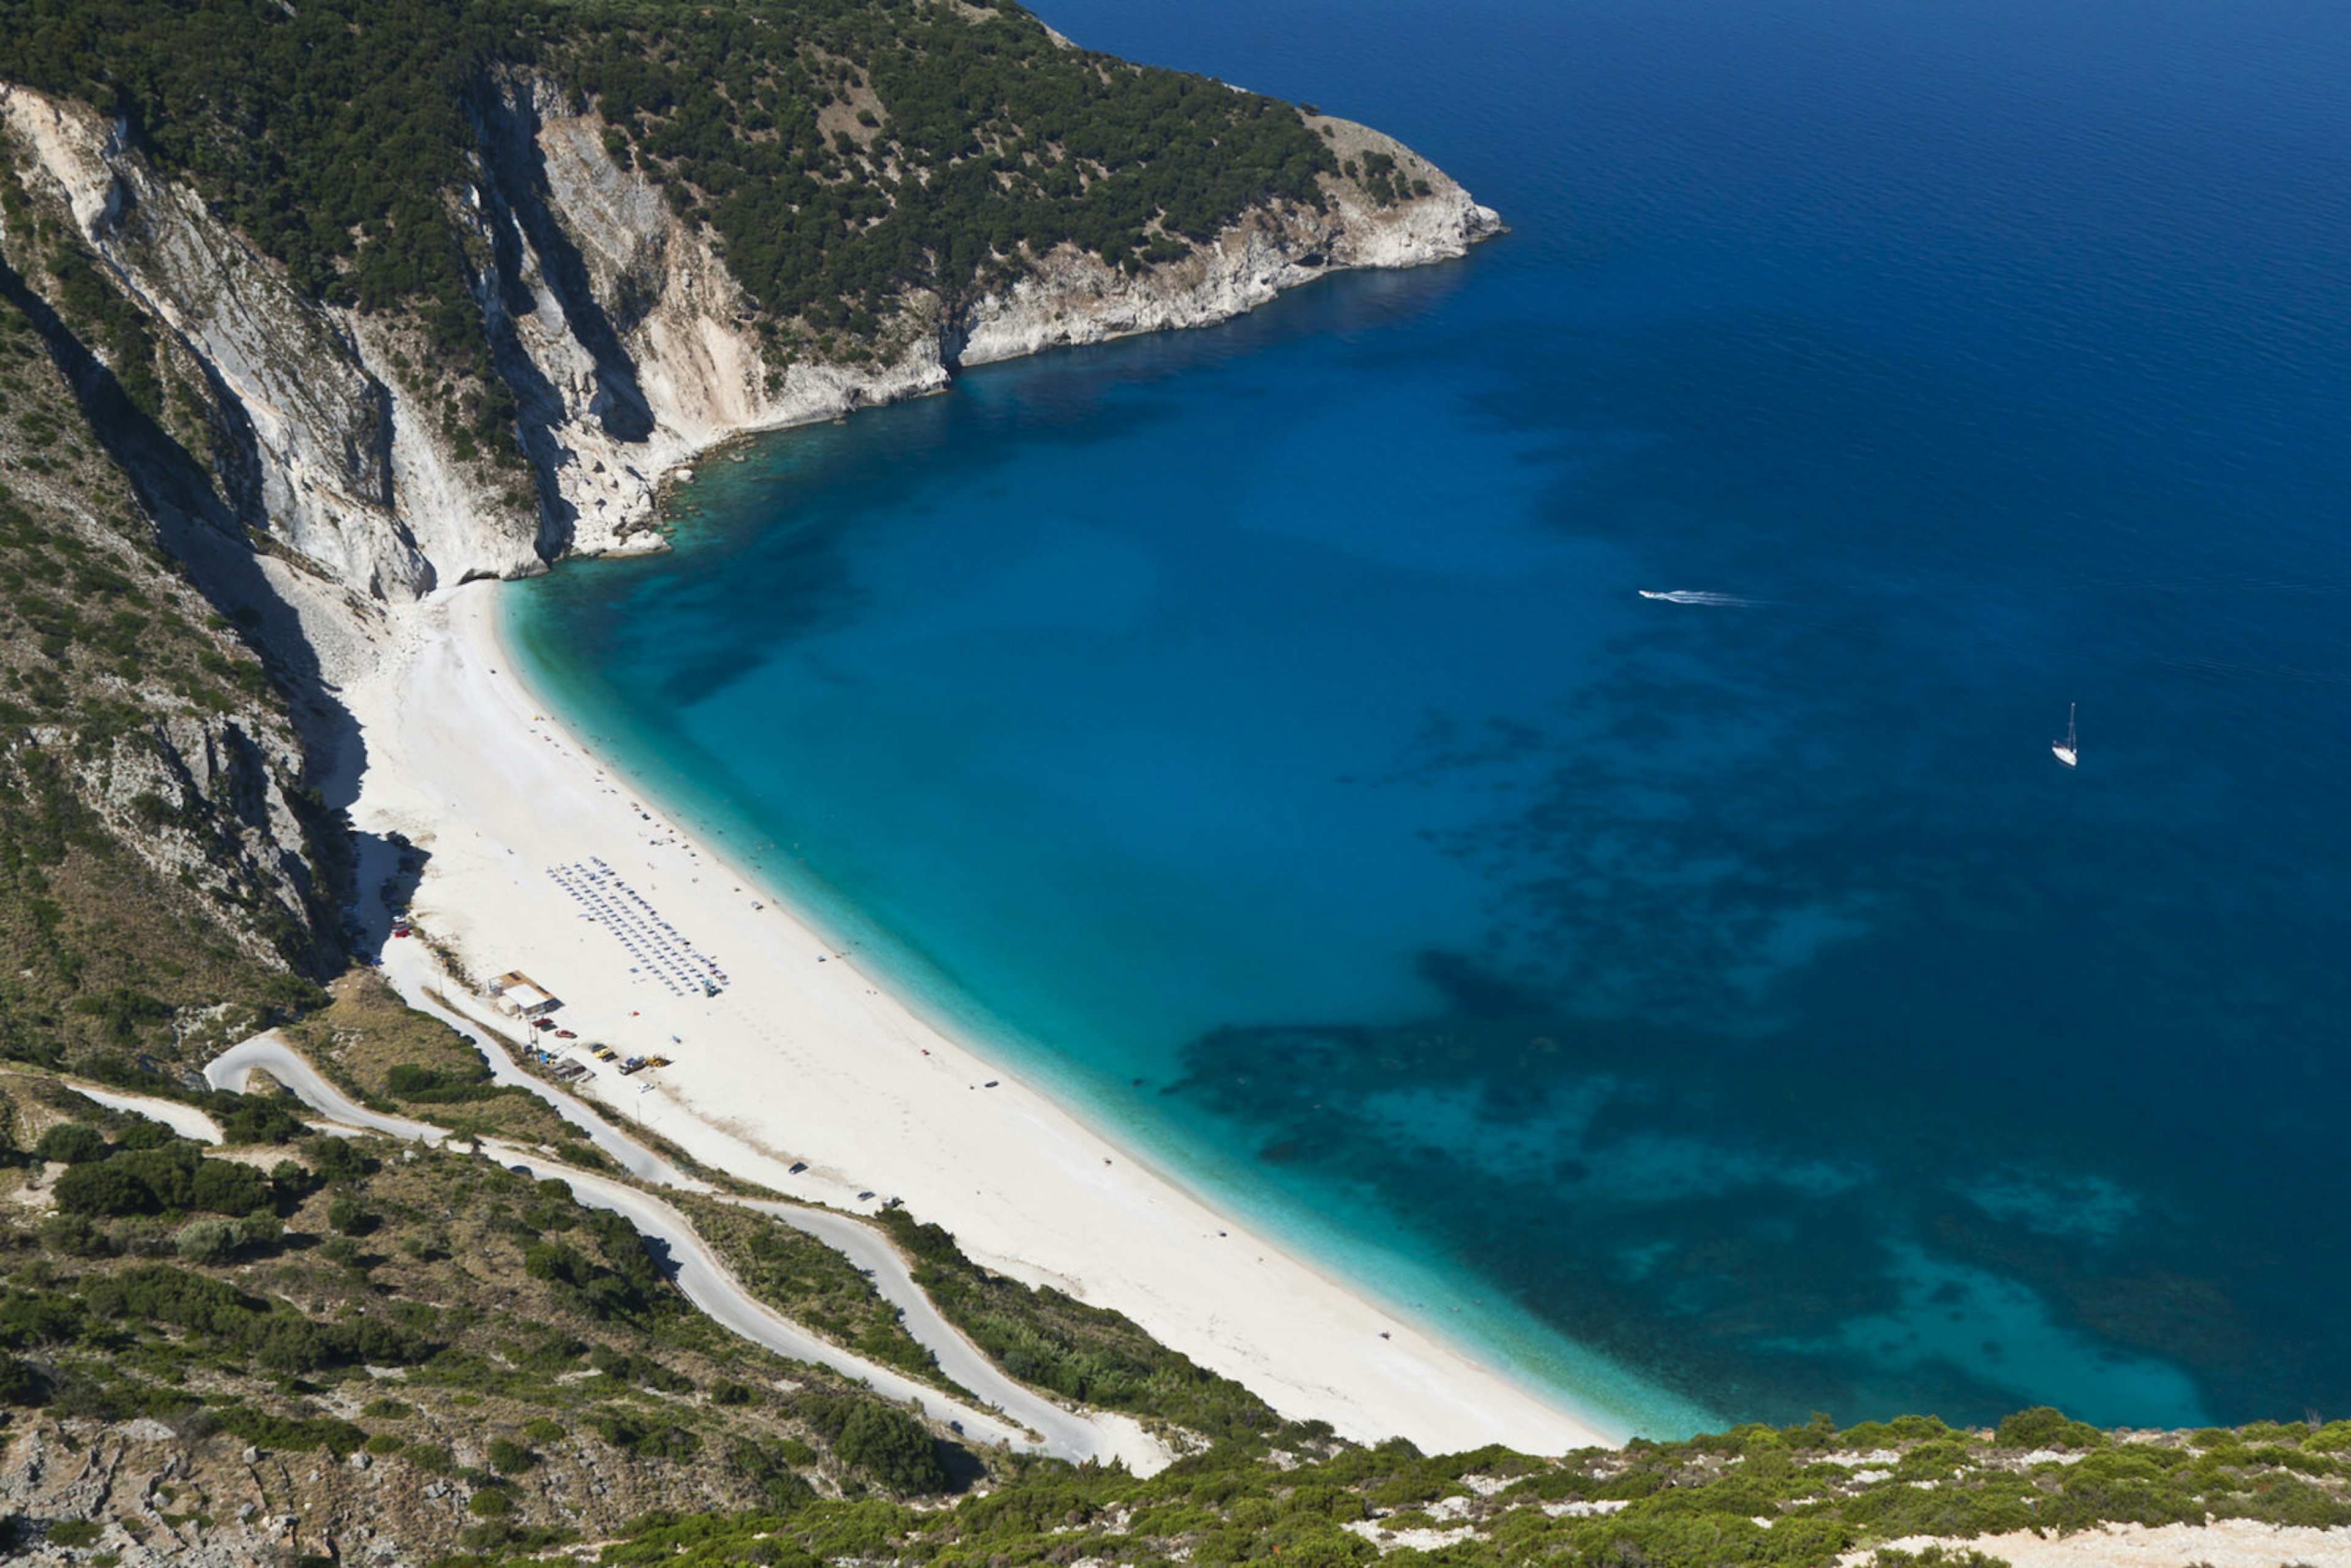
1731 1009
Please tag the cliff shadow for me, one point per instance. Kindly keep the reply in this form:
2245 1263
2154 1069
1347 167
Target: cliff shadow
213 546
386 871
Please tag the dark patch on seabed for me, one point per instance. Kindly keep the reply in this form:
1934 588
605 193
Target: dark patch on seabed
1790 1084
1668 1196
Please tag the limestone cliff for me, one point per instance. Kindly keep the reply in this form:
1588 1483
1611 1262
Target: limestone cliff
627 344
1073 297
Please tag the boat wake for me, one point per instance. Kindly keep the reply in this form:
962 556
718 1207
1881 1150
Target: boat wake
1693 596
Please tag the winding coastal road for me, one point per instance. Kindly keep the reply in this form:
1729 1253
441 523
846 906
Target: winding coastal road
699 1273
1066 1432
184 1119
710 1287
413 974
268 1052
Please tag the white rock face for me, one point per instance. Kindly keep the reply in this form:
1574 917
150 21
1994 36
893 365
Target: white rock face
317 420
628 342
1073 297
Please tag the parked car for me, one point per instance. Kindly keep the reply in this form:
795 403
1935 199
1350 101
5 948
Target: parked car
565 1034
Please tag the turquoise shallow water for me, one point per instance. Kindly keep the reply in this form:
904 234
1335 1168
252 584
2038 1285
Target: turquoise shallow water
1733 1009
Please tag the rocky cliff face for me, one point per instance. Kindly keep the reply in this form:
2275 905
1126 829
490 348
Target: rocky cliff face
627 344
1073 297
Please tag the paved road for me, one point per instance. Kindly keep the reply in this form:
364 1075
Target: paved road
270 1052
414 973
1066 1432
184 1119
707 1283
709 1286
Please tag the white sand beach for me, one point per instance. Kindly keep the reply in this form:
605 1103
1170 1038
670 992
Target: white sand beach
802 1061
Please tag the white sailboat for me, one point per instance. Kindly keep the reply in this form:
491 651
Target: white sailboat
2065 749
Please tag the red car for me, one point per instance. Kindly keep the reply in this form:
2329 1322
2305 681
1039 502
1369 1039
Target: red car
564 1034
542 1023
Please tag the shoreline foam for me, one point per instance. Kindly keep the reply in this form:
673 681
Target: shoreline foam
804 1057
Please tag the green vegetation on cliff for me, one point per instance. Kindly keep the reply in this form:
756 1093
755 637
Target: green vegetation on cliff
459 1325
845 151
1090 1355
963 139
1799 1498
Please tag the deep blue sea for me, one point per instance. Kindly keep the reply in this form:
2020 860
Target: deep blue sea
1733 1009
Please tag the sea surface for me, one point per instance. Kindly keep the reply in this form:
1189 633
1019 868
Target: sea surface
1711 1009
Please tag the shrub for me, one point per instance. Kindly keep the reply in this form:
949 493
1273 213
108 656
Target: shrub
336 1159
345 1216
646 1439
338 1437
173 1176
22 1383
884 1442
510 1459
630 1366
489 1503
144 1133
74 1532
75 1236
2043 1427
500 1535
106 1188
224 1186
208 1241
255 1119
540 1429
387 1410
72 1143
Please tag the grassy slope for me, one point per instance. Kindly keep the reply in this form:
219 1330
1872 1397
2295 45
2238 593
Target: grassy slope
493 1310
1799 1498
366 1036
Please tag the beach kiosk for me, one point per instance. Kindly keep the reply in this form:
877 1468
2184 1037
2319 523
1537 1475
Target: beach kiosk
517 994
